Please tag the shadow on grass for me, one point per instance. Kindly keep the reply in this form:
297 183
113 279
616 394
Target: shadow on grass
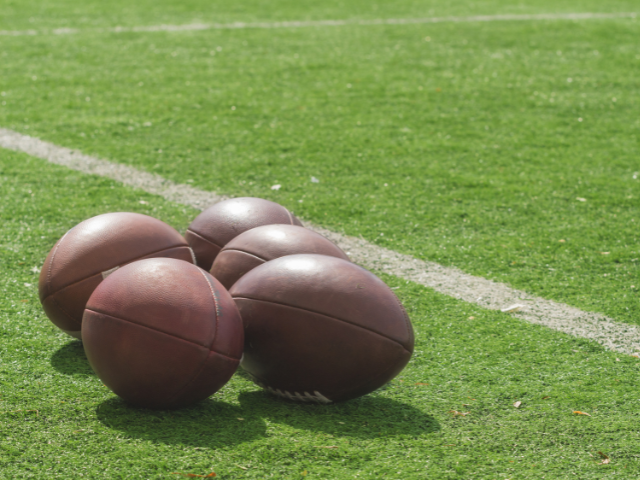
368 417
71 360
209 424
215 424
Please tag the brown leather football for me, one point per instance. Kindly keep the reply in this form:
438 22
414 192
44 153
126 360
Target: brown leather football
320 328
91 250
220 223
162 333
262 244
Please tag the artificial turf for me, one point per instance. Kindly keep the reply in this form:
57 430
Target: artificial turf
57 420
507 149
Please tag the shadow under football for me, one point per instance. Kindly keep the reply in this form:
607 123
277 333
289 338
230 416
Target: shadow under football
370 416
215 424
71 360
208 424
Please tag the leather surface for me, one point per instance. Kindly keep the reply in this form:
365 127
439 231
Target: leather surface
103 242
225 220
230 265
214 373
203 249
298 351
333 287
145 367
66 307
162 333
265 243
74 267
314 322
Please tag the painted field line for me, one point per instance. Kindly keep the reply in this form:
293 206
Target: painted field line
328 23
447 280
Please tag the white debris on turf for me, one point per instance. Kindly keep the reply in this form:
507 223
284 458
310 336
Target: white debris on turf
512 308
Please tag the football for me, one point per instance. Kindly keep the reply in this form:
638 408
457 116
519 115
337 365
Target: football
220 223
92 250
162 333
262 244
320 328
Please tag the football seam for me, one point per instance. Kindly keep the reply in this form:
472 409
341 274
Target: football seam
100 273
64 312
163 333
290 216
215 306
339 250
328 316
242 251
198 369
203 238
195 375
53 257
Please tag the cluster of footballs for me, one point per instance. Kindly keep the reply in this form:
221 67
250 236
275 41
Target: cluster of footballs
165 320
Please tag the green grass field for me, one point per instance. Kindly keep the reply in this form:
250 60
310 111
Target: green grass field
506 149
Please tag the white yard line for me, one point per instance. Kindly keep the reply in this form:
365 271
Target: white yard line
328 23
447 280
